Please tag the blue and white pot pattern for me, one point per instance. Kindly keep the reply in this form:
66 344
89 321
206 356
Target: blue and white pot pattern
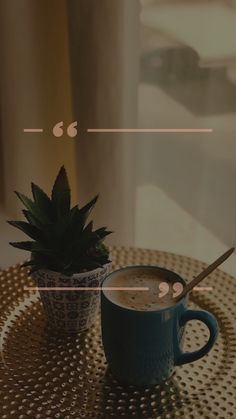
71 311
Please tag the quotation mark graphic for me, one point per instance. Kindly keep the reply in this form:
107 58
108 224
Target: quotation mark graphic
58 130
164 288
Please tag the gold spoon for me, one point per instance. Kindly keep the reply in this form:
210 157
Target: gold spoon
207 271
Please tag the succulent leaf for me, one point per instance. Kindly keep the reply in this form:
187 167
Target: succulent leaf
61 193
23 245
31 219
31 231
29 204
42 201
88 207
28 263
89 227
102 232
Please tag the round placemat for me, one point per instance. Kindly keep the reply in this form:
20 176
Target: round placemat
46 376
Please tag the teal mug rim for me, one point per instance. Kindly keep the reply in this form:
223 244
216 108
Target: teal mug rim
144 312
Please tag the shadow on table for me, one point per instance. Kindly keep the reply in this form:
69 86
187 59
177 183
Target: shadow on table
122 400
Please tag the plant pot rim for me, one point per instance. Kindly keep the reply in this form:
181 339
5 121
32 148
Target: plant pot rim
75 275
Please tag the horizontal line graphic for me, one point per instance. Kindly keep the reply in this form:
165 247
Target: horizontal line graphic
163 130
33 130
101 288
136 130
86 288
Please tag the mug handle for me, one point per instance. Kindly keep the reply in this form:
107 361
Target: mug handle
211 323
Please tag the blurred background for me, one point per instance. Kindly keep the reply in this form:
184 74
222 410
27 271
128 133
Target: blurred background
124 64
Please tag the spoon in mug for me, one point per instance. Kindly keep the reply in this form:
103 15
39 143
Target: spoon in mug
207 271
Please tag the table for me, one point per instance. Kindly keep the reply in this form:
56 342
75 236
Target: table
44 376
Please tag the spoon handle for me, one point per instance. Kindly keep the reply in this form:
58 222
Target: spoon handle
205 273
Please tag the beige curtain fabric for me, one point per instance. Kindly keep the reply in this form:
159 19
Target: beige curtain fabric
104 63
35 93
55 51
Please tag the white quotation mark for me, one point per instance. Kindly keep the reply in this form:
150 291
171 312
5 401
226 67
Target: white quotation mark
58 130
164 289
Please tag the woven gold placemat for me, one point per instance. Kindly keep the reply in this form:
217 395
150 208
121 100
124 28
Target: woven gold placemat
44 376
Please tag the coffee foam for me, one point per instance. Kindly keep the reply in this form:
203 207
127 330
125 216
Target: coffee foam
140 300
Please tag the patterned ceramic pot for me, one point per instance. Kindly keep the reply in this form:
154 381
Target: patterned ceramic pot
71 311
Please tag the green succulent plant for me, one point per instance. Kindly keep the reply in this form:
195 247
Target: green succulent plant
62 240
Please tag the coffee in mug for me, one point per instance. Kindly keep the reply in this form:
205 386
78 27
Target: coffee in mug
147 300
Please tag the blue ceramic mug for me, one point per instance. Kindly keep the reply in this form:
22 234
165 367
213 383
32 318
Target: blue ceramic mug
143 347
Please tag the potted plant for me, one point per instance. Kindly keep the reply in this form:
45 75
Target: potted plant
65 252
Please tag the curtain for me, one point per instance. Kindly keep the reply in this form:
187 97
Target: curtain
35 93
67 61
104 65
